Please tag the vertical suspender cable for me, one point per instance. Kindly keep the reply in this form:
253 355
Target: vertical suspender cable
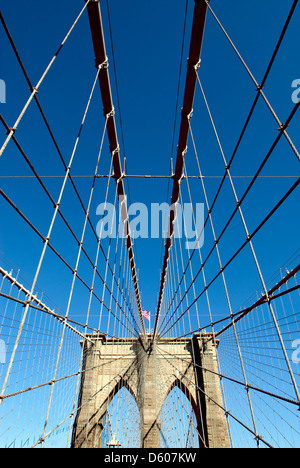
190 88
108 108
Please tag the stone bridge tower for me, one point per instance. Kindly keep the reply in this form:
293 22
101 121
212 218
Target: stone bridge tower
150 372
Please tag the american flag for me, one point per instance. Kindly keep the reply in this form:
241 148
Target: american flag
146 314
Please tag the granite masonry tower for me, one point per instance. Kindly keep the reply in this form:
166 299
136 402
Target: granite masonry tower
149 372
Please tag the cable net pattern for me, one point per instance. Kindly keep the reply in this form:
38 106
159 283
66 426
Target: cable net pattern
75 311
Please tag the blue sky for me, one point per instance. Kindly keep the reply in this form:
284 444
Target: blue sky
147 39
147 45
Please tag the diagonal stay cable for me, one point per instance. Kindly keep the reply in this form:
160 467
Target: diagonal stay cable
72 290
121 375
61 318
44 239
65 377
212 400
199 21
292 189
46 242
277 48
223 376
62 216
175 120
259 87
294 186
96 26
59 209
253 252
239 315
71 178
36 88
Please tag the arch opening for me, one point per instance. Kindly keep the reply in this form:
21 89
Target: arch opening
179 419
122 420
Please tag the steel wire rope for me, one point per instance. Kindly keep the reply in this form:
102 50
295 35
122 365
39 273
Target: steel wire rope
117 387
170 393
76 411
250 243
118 382
191 272
51 134
278 45
292 189
194 385
36 88
282 127
259 87
207 295
75 271
56 207
44 239
239 315
229 412
59 210
175 116
118 102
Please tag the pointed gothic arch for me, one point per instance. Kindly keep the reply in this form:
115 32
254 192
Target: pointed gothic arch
149 375
122 407
178 383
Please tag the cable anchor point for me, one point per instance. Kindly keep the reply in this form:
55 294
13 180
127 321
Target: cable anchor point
110 114
103 65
